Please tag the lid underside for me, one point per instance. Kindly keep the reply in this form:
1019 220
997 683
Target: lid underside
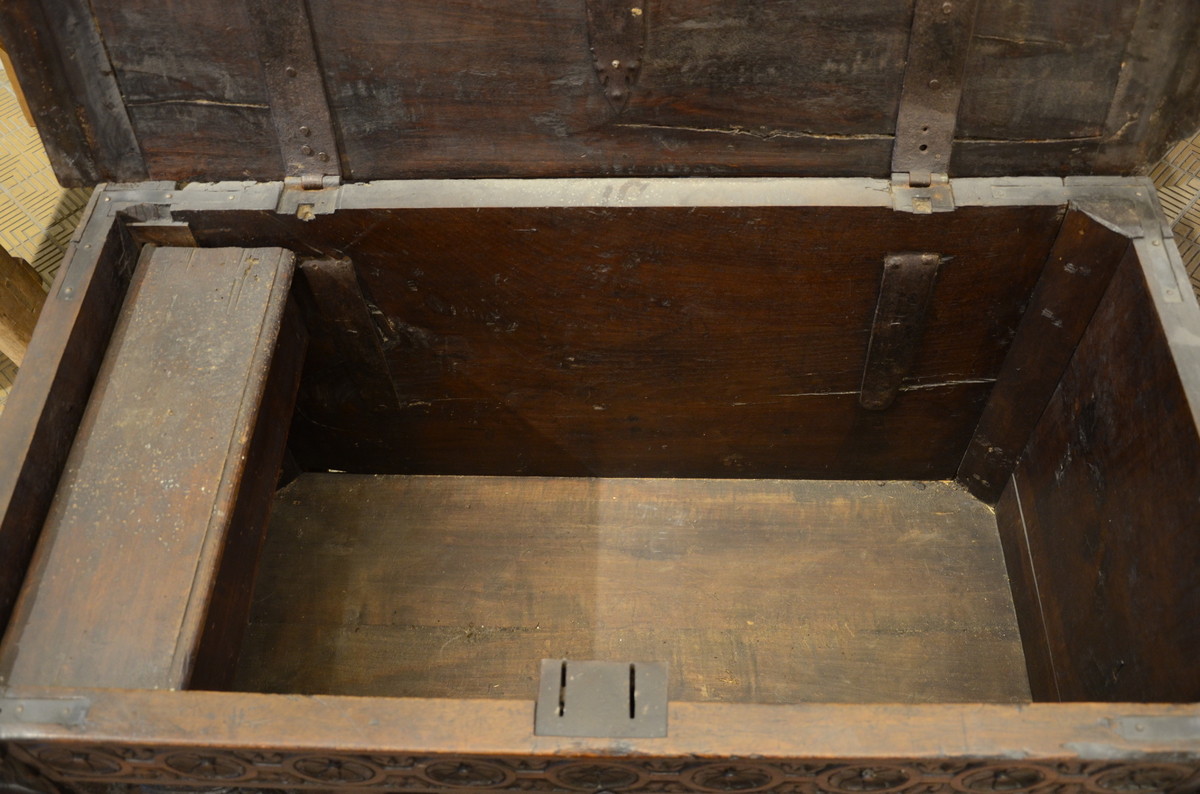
127 90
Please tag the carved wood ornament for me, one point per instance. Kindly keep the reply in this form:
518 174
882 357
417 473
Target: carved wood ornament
617 36
249 770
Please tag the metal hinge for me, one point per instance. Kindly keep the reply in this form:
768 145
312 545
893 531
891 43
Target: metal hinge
309 195
909 195
928 116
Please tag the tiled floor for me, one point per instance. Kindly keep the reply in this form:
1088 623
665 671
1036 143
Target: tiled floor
37 217
1178 178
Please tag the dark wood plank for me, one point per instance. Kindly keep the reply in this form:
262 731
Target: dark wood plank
218 135
51 390
760 592
1107 487
757 87
60 60
338 313
229 609
1076 274
195 90
971 158
1044 70
899 324
654 341
153 479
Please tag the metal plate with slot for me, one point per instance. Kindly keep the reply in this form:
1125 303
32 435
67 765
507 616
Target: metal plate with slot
602 699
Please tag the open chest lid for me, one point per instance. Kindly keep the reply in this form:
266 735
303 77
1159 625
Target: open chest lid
316 90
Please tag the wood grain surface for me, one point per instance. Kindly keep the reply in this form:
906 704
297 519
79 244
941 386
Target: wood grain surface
756 87
1077 740
233 585
48 400
750 591
698 342
1106 512
154 476
1075 278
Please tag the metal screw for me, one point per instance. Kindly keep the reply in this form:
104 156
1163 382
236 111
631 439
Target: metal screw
324 158
934 84
616 64
306 150
290 72
305 131
947 8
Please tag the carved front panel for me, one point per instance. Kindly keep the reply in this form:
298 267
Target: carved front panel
85 766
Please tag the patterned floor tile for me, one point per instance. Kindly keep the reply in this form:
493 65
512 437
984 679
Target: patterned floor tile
37 217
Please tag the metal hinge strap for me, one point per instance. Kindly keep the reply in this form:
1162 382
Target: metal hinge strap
299 107
933 79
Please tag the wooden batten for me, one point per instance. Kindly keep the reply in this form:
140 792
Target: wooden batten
156 486
1074 279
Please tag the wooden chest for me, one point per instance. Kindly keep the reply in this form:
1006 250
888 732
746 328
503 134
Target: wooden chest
829 371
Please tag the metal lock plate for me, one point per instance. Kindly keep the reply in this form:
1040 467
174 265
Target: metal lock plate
602 699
